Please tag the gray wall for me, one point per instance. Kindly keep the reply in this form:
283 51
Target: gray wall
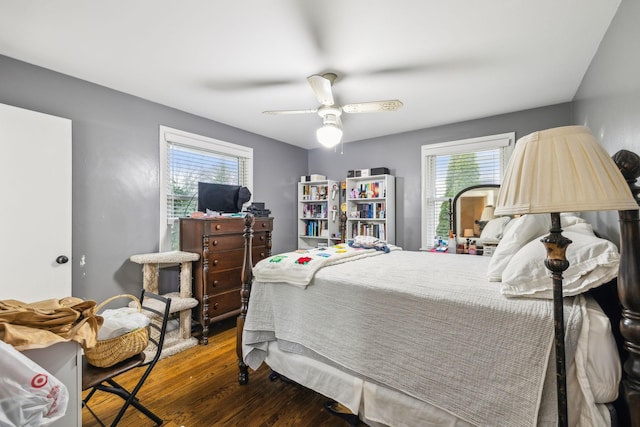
115 172
401 154
608 100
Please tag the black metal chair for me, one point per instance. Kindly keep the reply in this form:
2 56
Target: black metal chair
102 379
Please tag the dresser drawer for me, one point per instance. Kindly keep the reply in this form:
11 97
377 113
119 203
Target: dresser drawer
216 227
222 281
259 239
224 302
262 224
225 260
223 243
258 253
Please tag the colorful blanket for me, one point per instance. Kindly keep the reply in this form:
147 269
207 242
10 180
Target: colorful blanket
298 267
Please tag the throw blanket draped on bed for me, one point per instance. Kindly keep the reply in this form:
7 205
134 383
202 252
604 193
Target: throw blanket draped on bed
298 267
455 341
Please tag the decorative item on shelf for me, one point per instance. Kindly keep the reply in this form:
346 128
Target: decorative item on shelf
472 247
452 243
558 170
259 210
379 171
468 232
488 248
311 178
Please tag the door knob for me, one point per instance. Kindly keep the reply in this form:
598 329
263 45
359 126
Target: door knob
62 259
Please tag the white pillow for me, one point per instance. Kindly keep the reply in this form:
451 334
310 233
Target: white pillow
517 233
494 229
592 262
603 362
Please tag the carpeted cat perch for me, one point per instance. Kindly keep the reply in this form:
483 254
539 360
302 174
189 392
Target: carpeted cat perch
178 337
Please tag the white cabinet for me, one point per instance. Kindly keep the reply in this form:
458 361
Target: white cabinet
318 214
64 361
371 207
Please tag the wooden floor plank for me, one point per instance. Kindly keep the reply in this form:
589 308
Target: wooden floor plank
199 388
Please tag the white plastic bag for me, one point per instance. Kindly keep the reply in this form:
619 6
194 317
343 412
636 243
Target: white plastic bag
120 321
29 395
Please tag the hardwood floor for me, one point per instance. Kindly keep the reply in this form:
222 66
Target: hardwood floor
199 388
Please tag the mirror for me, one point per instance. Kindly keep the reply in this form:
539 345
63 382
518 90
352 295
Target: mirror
472 208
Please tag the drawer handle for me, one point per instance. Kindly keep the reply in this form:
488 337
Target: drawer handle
215 306
261 237
218 226
215 243
215 283
261 254
215 262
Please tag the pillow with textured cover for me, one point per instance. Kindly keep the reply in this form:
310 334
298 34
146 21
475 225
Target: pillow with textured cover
518 232
494 229
592 262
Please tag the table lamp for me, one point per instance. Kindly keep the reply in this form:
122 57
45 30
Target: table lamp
558 170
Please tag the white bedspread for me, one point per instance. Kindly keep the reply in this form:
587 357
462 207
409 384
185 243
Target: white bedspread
443 335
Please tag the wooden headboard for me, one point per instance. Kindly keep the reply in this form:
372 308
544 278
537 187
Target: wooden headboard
629 287
622 307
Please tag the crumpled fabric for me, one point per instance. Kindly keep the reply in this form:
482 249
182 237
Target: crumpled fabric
41 324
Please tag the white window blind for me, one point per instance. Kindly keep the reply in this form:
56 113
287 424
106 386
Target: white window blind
449 167
188 166
186 160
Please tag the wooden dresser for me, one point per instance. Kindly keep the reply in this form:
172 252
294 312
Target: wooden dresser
217 274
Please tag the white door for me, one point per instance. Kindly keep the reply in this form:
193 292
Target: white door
35 214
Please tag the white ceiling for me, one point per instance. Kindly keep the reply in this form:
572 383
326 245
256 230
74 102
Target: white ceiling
447 61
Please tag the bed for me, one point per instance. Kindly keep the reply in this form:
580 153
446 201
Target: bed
438 342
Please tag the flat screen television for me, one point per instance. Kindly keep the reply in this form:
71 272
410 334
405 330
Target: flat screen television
221 198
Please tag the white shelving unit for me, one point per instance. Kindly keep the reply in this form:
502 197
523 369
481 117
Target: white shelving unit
371 207
318 213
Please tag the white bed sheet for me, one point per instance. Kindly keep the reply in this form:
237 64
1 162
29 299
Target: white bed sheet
381 406
604 388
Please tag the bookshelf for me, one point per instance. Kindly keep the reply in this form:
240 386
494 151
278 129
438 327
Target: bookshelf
318 214
371 207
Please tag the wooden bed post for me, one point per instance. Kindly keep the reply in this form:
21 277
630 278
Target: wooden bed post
629 286
245 292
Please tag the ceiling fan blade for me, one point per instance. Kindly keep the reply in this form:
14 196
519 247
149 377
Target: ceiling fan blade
314 110
321 86
373 106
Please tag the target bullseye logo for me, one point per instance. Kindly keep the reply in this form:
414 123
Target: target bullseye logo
39 381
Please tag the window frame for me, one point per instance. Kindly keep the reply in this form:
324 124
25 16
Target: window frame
504 141
193 141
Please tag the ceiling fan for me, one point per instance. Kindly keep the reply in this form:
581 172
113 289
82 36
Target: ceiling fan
330 133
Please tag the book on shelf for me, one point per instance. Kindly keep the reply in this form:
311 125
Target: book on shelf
370 210
316 228
369 190
314 210
378 231
314 192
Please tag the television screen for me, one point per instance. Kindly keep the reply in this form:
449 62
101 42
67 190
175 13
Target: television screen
222 198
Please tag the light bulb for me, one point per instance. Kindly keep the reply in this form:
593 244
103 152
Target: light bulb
329 135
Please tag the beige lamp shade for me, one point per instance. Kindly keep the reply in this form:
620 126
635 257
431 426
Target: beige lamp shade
562 169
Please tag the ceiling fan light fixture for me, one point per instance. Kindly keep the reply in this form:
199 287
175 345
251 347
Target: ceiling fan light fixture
329 135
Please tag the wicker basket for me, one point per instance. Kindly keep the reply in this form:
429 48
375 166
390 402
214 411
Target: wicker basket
113 350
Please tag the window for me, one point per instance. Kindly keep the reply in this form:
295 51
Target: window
185 159
449 167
